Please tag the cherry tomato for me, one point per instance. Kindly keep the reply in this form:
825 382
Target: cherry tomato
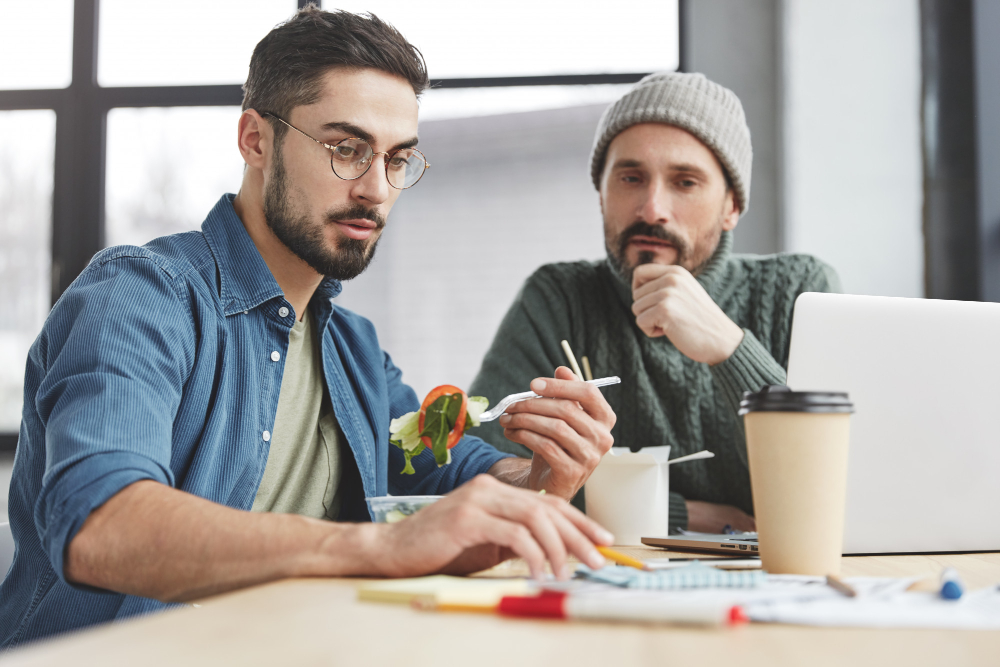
456 433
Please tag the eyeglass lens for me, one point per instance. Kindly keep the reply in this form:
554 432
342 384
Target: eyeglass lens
351 158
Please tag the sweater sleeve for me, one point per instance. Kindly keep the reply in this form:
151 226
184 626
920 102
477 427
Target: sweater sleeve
749 368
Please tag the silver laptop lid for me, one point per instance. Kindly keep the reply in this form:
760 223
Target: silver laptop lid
924 375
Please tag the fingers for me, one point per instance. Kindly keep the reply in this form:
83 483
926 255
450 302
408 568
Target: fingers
650 300
569 439
744 522
559 527
546 528
519 539
554 438
554 454
590 529
563 373
651 323
568 412
650 277
645 273
539 520
587 395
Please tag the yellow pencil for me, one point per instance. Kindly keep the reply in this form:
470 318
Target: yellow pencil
621 558
430 603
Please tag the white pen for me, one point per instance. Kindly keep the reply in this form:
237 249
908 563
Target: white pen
639 608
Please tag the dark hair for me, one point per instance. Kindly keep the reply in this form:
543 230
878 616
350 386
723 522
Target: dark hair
287 65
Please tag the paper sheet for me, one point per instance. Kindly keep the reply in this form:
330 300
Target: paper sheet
888 608
882 602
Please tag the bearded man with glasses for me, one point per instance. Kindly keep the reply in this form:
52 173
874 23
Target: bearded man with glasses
200 415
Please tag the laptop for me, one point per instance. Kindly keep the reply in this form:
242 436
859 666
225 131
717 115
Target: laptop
740 544
924 375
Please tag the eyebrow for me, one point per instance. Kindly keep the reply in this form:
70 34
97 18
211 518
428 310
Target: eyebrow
683 168
355 131
626 164
688 169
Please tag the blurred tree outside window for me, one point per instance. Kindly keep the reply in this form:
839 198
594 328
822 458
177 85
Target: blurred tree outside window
533 37
27 144
168 182
188 42
36 42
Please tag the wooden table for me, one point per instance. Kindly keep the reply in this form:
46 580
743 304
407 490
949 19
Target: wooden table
321 622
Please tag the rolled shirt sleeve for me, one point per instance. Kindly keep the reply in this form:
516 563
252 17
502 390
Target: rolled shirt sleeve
114 363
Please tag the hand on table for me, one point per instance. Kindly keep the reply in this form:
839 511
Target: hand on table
485 522
668 301
569 431
713 518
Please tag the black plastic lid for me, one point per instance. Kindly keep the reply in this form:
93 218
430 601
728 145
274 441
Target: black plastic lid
779 398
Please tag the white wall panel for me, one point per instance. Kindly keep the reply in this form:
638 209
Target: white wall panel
853 179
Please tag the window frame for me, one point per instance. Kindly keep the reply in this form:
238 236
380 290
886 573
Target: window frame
78 229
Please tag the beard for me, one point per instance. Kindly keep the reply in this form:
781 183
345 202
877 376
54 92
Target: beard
691 257
307 240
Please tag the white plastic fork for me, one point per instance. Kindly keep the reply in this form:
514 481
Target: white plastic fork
502 406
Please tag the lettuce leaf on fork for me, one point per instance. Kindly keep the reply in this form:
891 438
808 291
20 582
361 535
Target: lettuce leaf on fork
439 420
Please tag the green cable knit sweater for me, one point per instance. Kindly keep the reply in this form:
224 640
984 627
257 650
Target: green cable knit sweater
665 398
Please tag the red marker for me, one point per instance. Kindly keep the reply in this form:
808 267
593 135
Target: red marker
639 608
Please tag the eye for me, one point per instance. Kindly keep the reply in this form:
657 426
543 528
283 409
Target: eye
687 183
344 152
398 162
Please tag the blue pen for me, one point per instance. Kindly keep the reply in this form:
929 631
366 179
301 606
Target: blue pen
951 584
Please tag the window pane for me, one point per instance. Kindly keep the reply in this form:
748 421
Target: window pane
36 44
533 37
167 167
440 104
181 42
27 144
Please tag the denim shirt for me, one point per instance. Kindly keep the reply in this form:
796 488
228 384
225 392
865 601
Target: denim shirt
158 363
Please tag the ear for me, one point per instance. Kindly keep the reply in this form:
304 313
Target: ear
600 201
730 212
255 139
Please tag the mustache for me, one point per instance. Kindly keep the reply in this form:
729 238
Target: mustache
357 212
641 228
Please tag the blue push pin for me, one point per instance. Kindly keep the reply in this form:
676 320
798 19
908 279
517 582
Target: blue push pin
951 584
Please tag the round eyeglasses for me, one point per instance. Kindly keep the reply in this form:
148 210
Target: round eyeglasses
351 159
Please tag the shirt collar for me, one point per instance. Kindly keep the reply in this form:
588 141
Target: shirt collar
245 280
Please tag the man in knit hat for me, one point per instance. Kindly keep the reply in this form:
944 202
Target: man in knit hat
685 323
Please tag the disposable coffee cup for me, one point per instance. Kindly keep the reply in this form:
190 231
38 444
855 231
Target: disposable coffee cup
797 444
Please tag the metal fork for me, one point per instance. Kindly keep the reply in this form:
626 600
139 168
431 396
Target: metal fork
502 406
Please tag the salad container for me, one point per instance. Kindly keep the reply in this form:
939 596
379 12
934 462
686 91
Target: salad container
390 509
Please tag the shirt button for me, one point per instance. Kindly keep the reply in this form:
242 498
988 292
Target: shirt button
283 311
275 356
267 436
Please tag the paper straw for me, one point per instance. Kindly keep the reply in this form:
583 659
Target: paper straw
587 375
572 359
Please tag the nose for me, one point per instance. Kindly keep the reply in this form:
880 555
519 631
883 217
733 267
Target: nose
655 205
373 187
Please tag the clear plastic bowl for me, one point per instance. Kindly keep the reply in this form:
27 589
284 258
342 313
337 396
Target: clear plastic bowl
390 509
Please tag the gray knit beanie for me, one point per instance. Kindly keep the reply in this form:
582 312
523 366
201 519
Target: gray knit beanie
691 102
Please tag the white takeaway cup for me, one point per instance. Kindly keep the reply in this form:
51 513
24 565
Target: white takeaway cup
628 493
